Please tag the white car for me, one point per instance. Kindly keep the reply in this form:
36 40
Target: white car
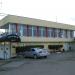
35 53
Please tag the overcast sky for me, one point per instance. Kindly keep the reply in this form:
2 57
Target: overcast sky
62 10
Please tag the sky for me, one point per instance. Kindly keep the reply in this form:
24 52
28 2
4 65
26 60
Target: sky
62 11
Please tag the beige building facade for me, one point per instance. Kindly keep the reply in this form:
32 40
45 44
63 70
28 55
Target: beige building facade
36 33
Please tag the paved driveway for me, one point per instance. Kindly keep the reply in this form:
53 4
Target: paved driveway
55 64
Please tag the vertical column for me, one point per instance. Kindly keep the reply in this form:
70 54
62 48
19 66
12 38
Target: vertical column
16 28
69 33
37 30
21 30
46 31
32 31
72 34
27 30
57 32
9 31
46 46
63 33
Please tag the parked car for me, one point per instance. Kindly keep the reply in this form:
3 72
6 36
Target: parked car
46 51
35 53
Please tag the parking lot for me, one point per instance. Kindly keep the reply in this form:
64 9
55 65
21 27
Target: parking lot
55 64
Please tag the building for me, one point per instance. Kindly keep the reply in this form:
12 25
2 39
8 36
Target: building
35 33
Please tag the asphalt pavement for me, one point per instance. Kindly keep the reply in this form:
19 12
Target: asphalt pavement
55 64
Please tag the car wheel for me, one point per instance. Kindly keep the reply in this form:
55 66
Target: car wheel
35 56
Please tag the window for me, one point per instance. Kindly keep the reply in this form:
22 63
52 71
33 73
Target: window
19 30
46 31
34 30
13 28
24 30
6 26
60 33
65 33
49 32
53 32
29 31
42 31
71 33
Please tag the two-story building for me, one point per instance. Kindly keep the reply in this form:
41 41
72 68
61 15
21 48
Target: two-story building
35 33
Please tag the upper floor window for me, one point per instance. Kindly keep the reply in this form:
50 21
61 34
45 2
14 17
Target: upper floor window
53 32
29 30
34 30
43 31
66 33
12 28
60 33
49 32
71 33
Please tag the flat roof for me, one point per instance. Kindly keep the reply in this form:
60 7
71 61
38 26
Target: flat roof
35 22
